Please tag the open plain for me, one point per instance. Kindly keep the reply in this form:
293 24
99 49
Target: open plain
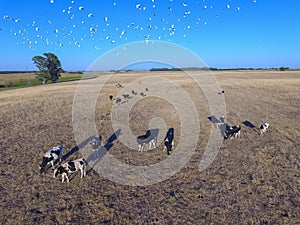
253 179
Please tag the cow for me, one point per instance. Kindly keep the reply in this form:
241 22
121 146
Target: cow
219 123
70 167
51 157
263 128
119 85
126 96
231 132
96 143
148 138
169 141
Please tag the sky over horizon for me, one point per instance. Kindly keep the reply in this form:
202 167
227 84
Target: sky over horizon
223 33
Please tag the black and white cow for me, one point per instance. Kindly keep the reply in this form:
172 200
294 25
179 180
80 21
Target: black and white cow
169 141
70 167
50 157
148 138
263 128
231 132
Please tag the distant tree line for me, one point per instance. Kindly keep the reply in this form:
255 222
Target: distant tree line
17 71
215 69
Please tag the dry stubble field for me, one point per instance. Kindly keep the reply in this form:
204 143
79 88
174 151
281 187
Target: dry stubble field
253 180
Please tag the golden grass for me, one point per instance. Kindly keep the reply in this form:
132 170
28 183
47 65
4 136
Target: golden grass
253 179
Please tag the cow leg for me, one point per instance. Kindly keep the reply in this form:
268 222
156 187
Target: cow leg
67 178
82 171
142 147
152 142
64 176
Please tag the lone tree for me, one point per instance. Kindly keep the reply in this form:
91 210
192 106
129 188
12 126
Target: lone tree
49 67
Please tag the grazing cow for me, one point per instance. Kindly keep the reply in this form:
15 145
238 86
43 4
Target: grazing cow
231 132
118 100
263 128
50 157
142 140
133 92
169 141
70 167
96 143
119 85
111 97
125 96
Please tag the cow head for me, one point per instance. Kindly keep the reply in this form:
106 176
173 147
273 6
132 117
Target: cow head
168 145
42 169
45 161
58 170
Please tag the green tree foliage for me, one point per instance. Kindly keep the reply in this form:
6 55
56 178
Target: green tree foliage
284 68
49 67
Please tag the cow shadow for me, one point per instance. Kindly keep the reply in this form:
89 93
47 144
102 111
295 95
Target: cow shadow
152 132
77 148
223 129
213 119
249 124
221 125
103 149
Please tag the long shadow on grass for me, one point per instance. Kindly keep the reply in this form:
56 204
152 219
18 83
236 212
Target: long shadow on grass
103 149
248 124
223 126
213 119
76 148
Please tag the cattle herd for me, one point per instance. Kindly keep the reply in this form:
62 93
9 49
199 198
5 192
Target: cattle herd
230 132
150 137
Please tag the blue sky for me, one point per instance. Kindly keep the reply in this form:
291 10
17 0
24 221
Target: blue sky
224 33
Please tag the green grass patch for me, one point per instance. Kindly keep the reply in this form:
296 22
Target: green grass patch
15 81
67 79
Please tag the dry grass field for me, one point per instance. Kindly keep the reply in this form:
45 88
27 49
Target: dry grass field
253 179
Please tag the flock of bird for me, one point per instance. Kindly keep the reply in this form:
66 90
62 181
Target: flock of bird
81 24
